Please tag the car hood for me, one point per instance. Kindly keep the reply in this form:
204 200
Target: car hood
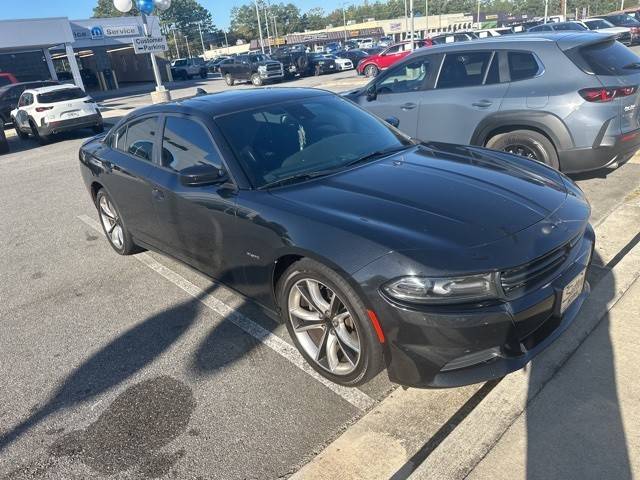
447 196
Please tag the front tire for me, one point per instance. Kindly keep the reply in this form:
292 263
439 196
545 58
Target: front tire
256 80
328 323
113 225
371 71
22 135
526 143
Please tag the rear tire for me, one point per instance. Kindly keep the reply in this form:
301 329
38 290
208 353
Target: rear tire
371 71
527 143
41 139
203 75
350 326
113 225
229 79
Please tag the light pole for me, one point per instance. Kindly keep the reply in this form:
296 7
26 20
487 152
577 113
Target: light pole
546 10
426 14
259 26
413 30
146 7
226 41
344 23
478 17
201 38
186 39
266 23
175 40
406 20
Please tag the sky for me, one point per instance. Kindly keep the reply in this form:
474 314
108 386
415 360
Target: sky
79 9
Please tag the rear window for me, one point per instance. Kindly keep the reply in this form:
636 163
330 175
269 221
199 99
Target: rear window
610 58
61 95
522 65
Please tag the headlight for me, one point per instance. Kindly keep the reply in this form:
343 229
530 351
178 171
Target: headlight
443 290
262 68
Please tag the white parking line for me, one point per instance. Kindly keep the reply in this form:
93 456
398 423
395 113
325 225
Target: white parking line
354 396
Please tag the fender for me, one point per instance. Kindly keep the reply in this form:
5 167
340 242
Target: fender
545 122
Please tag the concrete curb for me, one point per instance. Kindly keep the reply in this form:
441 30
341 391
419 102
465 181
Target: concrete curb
472 439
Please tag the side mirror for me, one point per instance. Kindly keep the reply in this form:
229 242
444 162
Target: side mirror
393 121
200 91
372 93
201 175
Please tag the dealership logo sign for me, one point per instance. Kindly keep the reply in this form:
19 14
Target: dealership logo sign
96 32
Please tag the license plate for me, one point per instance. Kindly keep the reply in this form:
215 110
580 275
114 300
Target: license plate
72 114
572 291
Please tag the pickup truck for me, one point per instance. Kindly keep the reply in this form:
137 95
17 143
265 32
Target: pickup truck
187 68
256 68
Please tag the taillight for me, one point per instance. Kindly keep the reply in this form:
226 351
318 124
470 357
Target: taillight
606 94
43 109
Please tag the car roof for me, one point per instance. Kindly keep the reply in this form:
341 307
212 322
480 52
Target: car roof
230 101
51 88
564 40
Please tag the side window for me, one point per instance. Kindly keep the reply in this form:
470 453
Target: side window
410 77
463 69
119 138
141 137
187 144
394 49
522 65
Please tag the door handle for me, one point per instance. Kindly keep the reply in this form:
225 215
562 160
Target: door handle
157 194
409 106
482 103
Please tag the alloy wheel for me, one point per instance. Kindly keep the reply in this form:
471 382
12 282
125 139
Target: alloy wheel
111 222
521 150
324 326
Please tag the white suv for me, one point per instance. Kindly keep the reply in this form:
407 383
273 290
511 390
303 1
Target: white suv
48 110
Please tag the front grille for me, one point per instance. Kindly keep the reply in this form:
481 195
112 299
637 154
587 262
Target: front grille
273 67
544 268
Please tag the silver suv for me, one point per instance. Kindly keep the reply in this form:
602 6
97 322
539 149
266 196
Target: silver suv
569 100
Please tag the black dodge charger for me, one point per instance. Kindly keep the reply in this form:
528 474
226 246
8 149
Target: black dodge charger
447 264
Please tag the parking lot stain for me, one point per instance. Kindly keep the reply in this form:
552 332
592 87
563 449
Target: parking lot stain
130 433
37 275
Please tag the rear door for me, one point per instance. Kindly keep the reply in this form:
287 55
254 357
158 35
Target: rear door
467 90
128 163
392 55
398 92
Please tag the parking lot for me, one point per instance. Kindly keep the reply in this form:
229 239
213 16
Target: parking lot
140 367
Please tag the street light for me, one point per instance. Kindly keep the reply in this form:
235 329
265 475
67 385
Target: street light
146 7
259 26
344 23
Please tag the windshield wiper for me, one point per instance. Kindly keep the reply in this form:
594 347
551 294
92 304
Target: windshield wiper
298 177
633 65
378 154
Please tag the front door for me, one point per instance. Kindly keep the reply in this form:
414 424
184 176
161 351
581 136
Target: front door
196 220
468 90
398 91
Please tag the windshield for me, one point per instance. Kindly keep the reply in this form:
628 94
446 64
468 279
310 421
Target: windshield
258 58
304 136
598 24
61 95
623 19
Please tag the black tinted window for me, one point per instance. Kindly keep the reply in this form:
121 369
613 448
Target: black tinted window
610 58
569 26
410 77
522 65
61 95
463 69
187 144
140 138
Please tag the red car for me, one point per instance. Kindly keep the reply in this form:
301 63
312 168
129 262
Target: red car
7 79
371 66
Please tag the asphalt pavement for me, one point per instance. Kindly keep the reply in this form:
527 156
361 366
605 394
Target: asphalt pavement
140 367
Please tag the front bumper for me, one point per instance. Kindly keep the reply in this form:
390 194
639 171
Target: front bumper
447 346
612 150
271 74
58 126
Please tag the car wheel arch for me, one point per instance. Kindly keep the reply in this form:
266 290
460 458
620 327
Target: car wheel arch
544 123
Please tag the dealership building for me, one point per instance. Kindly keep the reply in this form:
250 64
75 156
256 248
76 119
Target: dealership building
95 54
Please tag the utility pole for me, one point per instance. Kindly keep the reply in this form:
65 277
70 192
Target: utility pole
478 17
226 42
621 4
406 20
426 14
266 22
186 39
546 11
175 40
201 38
413 31
344 23
563 9
259 26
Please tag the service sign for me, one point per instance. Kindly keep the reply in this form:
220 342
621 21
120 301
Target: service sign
121 30
150 44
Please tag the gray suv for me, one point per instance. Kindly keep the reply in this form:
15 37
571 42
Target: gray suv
569 100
